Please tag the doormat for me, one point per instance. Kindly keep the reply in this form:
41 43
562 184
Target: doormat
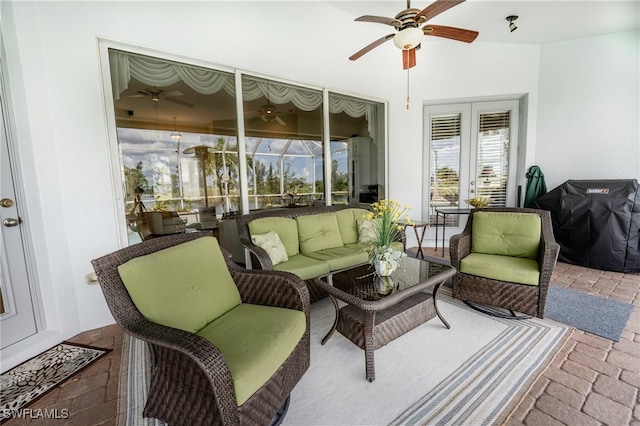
32 379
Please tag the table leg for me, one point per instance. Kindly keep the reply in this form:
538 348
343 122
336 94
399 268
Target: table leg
435 304
370 370
437 223
420 238
335 321
444 230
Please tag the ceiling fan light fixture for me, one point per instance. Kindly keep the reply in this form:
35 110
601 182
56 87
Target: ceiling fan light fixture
512 26
408 38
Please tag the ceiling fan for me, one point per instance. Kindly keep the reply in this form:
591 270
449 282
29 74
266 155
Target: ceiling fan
156 93
268 113
408 35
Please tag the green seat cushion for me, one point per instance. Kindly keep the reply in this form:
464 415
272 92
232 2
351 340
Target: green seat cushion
340 257
255 341
318 232
286 228
185 286
396 245
271 243
506 234
304 267
504 268
347 223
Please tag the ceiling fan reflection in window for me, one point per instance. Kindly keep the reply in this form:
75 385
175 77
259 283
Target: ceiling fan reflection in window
156 94
268 113
408 35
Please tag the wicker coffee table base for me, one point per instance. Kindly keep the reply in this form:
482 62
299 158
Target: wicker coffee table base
371 330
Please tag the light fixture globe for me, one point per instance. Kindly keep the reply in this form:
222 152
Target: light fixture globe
408 38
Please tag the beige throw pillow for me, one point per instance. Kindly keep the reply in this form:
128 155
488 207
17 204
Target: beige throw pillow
367 230
272 244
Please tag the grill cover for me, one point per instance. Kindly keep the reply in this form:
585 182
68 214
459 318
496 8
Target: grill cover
596 223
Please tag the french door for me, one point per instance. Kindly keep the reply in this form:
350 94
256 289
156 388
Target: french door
470 150
17 315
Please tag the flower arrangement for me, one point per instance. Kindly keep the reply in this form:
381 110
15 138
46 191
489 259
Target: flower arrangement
389 218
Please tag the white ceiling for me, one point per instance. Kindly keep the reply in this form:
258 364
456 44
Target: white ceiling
539 21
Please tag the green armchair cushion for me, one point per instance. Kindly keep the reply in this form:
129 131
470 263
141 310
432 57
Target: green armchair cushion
347 222
286 228
271 243
318 232
255 341
185 286
504 268
506 234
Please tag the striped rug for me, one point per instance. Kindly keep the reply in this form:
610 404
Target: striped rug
473 374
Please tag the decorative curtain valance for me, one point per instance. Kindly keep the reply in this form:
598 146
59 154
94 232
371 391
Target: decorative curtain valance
160 73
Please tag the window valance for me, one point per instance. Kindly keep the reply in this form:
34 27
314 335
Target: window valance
160 72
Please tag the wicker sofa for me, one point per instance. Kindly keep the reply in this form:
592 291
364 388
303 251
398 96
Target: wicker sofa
318 240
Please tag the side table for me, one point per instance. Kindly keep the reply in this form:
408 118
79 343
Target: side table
419 234
444 212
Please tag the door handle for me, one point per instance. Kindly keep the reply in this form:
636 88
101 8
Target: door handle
6 202
9 222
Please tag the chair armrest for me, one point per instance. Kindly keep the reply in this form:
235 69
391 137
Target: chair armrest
459 247
271 288
547 255
179 350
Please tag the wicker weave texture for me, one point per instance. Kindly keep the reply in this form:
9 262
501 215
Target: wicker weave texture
190 379
522 298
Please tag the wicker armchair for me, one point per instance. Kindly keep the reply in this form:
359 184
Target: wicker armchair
515 297
191 382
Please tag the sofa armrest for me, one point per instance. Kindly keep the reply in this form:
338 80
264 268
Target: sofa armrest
259 257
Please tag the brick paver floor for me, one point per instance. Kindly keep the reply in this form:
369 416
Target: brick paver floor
591 381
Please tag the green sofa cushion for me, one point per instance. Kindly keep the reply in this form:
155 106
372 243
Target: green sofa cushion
304 267
504 268
347 222
185 286
318 232
340 257
255 341
286 228
506 234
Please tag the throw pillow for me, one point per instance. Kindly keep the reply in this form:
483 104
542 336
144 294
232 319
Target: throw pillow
367 230
272 244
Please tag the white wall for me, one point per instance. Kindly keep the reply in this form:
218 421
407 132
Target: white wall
61 132
588 109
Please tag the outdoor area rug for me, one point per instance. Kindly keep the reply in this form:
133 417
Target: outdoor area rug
593 314
32 379
475 373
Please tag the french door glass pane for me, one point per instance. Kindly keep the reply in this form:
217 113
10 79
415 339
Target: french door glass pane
492 165
444 179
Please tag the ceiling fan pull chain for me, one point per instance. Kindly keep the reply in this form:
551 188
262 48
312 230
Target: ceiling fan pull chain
407 88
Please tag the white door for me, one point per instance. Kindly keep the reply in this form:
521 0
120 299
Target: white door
470 151
17 318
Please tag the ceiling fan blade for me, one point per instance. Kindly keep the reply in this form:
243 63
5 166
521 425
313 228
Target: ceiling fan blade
173 93
436 8
179 102
380 20
459 34
371 46
280 121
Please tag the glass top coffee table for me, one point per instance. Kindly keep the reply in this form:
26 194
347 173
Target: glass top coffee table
375 315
